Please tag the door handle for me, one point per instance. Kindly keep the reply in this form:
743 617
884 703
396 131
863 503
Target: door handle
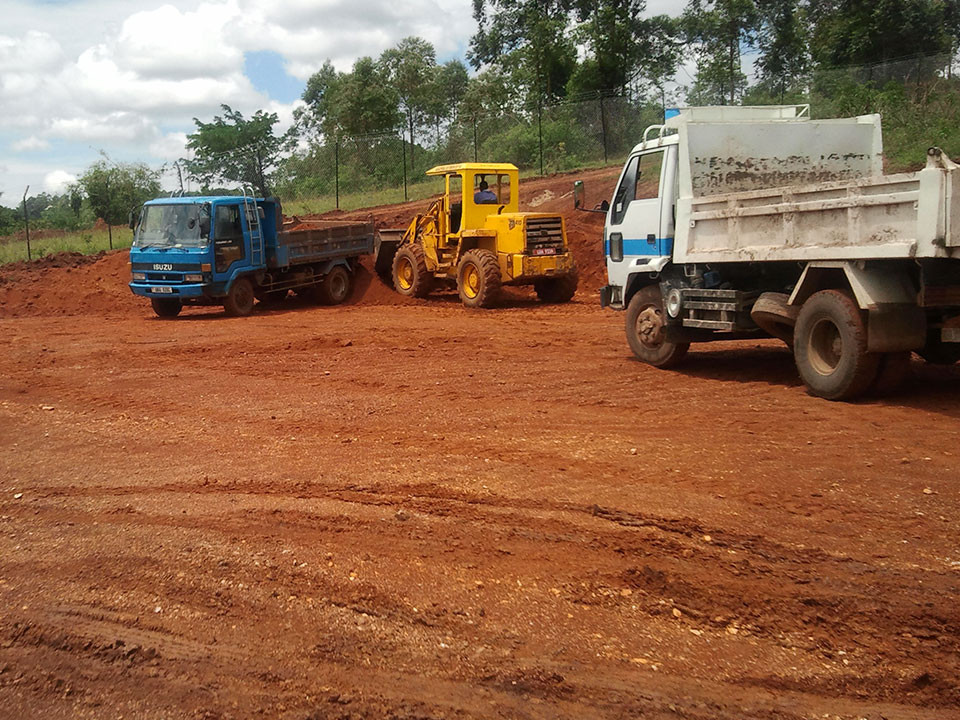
652 239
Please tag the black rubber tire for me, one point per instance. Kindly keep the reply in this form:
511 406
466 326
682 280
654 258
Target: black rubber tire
335 287
830 347
166 308
937 352
478 278
557 289
416 280
646 319
239 299
892 372
774 316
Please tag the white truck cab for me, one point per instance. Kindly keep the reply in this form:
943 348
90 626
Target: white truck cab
727 222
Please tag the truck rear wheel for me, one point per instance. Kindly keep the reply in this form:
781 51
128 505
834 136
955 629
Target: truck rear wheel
830 347
410 274
557 289
239 300
335 287
645 326
478 278
166 308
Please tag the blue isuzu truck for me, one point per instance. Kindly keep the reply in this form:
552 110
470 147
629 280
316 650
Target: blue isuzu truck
233 250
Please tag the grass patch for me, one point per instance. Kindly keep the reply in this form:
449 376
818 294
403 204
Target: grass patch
83 241
362 199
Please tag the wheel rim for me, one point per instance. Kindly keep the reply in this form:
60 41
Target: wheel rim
650 327
404 273
825 346
338 285
471 281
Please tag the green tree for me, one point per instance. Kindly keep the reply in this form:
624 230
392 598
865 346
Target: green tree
718 29
445 93
529 36
783 41
115 190
410 68
865 32
361 102
232 148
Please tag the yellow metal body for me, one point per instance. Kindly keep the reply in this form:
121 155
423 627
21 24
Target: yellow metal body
529 246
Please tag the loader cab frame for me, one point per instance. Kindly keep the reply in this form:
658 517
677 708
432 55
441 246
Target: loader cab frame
462 212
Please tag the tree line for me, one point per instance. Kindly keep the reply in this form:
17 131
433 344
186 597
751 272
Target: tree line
403 110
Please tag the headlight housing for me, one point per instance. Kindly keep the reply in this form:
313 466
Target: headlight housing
193 278
139 276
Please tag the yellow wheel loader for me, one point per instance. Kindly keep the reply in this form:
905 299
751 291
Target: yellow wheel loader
476 239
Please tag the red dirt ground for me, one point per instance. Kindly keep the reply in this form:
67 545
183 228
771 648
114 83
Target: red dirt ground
405 509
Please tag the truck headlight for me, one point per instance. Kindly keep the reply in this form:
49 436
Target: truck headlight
139 276
193 278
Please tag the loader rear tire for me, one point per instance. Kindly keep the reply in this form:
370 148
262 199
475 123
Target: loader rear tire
478 278
166 308
557 289
335 287
239 299
410 274
830 347
646 321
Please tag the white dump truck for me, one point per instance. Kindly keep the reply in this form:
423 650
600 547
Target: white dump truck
739 222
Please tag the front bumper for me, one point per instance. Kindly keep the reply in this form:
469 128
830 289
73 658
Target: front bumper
183 291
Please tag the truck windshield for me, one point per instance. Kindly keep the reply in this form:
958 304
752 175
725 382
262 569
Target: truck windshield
174 225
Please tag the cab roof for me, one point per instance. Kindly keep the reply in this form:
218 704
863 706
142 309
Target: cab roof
474 166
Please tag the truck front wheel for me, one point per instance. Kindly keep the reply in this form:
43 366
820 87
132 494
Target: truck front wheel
645 326
166 308
239 300
830 347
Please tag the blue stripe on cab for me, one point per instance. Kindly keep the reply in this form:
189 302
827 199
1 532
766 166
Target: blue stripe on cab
635 247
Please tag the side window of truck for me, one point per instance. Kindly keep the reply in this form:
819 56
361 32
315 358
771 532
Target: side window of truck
625 192
227 236
648 176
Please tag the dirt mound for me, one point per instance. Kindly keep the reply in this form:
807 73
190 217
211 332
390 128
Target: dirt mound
67 284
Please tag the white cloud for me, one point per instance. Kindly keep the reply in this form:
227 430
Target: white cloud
57 181
171 146
30 144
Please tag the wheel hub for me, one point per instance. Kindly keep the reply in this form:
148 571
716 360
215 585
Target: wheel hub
825 346
650 326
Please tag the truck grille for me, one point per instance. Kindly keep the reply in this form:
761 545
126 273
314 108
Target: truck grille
544 234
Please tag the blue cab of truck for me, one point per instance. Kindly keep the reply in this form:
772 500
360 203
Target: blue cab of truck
233 250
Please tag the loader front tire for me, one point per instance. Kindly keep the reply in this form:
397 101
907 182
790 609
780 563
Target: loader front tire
646 322
830 347
557 289
478 278
410 274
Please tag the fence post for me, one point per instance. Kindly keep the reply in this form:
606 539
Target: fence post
403 147
106 187
476 150
336 165
540 129
26 220
603 130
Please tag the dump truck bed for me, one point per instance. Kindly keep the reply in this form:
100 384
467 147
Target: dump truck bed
300 241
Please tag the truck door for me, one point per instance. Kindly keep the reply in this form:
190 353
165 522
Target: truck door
228 238
638 224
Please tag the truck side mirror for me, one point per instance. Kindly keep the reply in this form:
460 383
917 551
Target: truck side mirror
579 192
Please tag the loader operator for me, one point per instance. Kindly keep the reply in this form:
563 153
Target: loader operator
484 196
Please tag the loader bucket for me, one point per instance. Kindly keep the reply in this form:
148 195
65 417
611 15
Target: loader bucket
384 249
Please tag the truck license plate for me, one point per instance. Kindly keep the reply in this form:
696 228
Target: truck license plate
544 251
162 290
